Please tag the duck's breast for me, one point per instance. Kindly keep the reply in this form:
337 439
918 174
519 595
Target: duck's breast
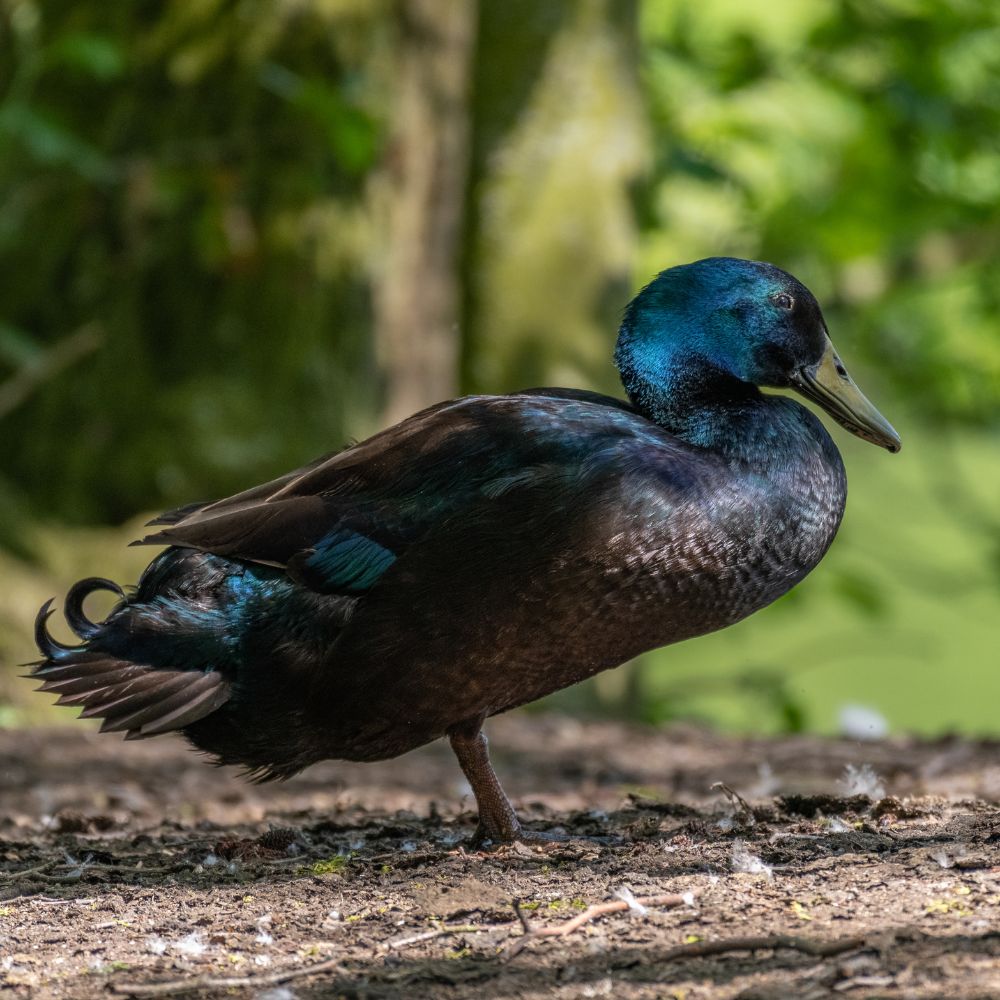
734 539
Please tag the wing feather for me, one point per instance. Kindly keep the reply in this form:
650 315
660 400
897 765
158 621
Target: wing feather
338 523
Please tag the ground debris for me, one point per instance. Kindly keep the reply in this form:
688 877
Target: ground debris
347 880
892 807
196 984
277 842
824 804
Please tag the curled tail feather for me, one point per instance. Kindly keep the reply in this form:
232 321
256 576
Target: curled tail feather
81 625
138 699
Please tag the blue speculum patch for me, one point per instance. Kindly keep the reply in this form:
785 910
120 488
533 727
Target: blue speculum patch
349 561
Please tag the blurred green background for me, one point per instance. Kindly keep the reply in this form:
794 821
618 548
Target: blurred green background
236 234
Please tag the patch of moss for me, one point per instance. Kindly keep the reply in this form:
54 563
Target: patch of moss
330 866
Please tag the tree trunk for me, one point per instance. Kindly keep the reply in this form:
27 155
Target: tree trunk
417 293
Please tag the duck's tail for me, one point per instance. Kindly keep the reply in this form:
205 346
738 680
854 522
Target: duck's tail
116 673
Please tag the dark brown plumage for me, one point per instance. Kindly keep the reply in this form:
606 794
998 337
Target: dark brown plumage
487 551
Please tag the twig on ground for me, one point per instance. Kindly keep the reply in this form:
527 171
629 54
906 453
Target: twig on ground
104 870
446 931
596 910
525 926
172 987
568 927
592 912
771 942
401 861
297 859
41 872
737 803
51 901
139 869
13 876
59 879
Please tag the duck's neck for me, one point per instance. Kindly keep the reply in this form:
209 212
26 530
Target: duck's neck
697 403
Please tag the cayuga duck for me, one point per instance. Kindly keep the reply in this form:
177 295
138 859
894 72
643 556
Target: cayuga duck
488 550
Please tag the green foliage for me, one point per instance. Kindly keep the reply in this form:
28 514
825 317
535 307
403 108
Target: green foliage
192 179
856 143
767 691
191 198
188 177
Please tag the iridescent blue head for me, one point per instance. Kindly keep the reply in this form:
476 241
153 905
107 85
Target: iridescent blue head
705 335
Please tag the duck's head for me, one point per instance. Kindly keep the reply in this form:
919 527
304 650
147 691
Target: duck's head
723 326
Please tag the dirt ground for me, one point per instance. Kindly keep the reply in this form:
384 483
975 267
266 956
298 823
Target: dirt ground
136 869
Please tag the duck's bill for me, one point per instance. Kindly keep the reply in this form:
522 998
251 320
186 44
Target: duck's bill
829 385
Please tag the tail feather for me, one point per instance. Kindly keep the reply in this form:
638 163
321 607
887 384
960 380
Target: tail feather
52 649
200 699
123 700
88 688
73 608
140 699
219 649
89 666
74 689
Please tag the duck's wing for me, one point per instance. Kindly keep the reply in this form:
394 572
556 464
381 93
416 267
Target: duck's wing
525 592
337 524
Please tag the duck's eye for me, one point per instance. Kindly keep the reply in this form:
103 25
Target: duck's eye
784 301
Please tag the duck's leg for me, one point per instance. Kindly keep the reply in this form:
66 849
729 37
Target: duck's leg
498 823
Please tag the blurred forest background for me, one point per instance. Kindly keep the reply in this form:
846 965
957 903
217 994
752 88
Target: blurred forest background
236 234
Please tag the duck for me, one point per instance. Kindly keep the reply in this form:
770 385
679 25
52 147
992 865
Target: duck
488 550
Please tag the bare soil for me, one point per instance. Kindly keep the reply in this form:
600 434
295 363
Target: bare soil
136 869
